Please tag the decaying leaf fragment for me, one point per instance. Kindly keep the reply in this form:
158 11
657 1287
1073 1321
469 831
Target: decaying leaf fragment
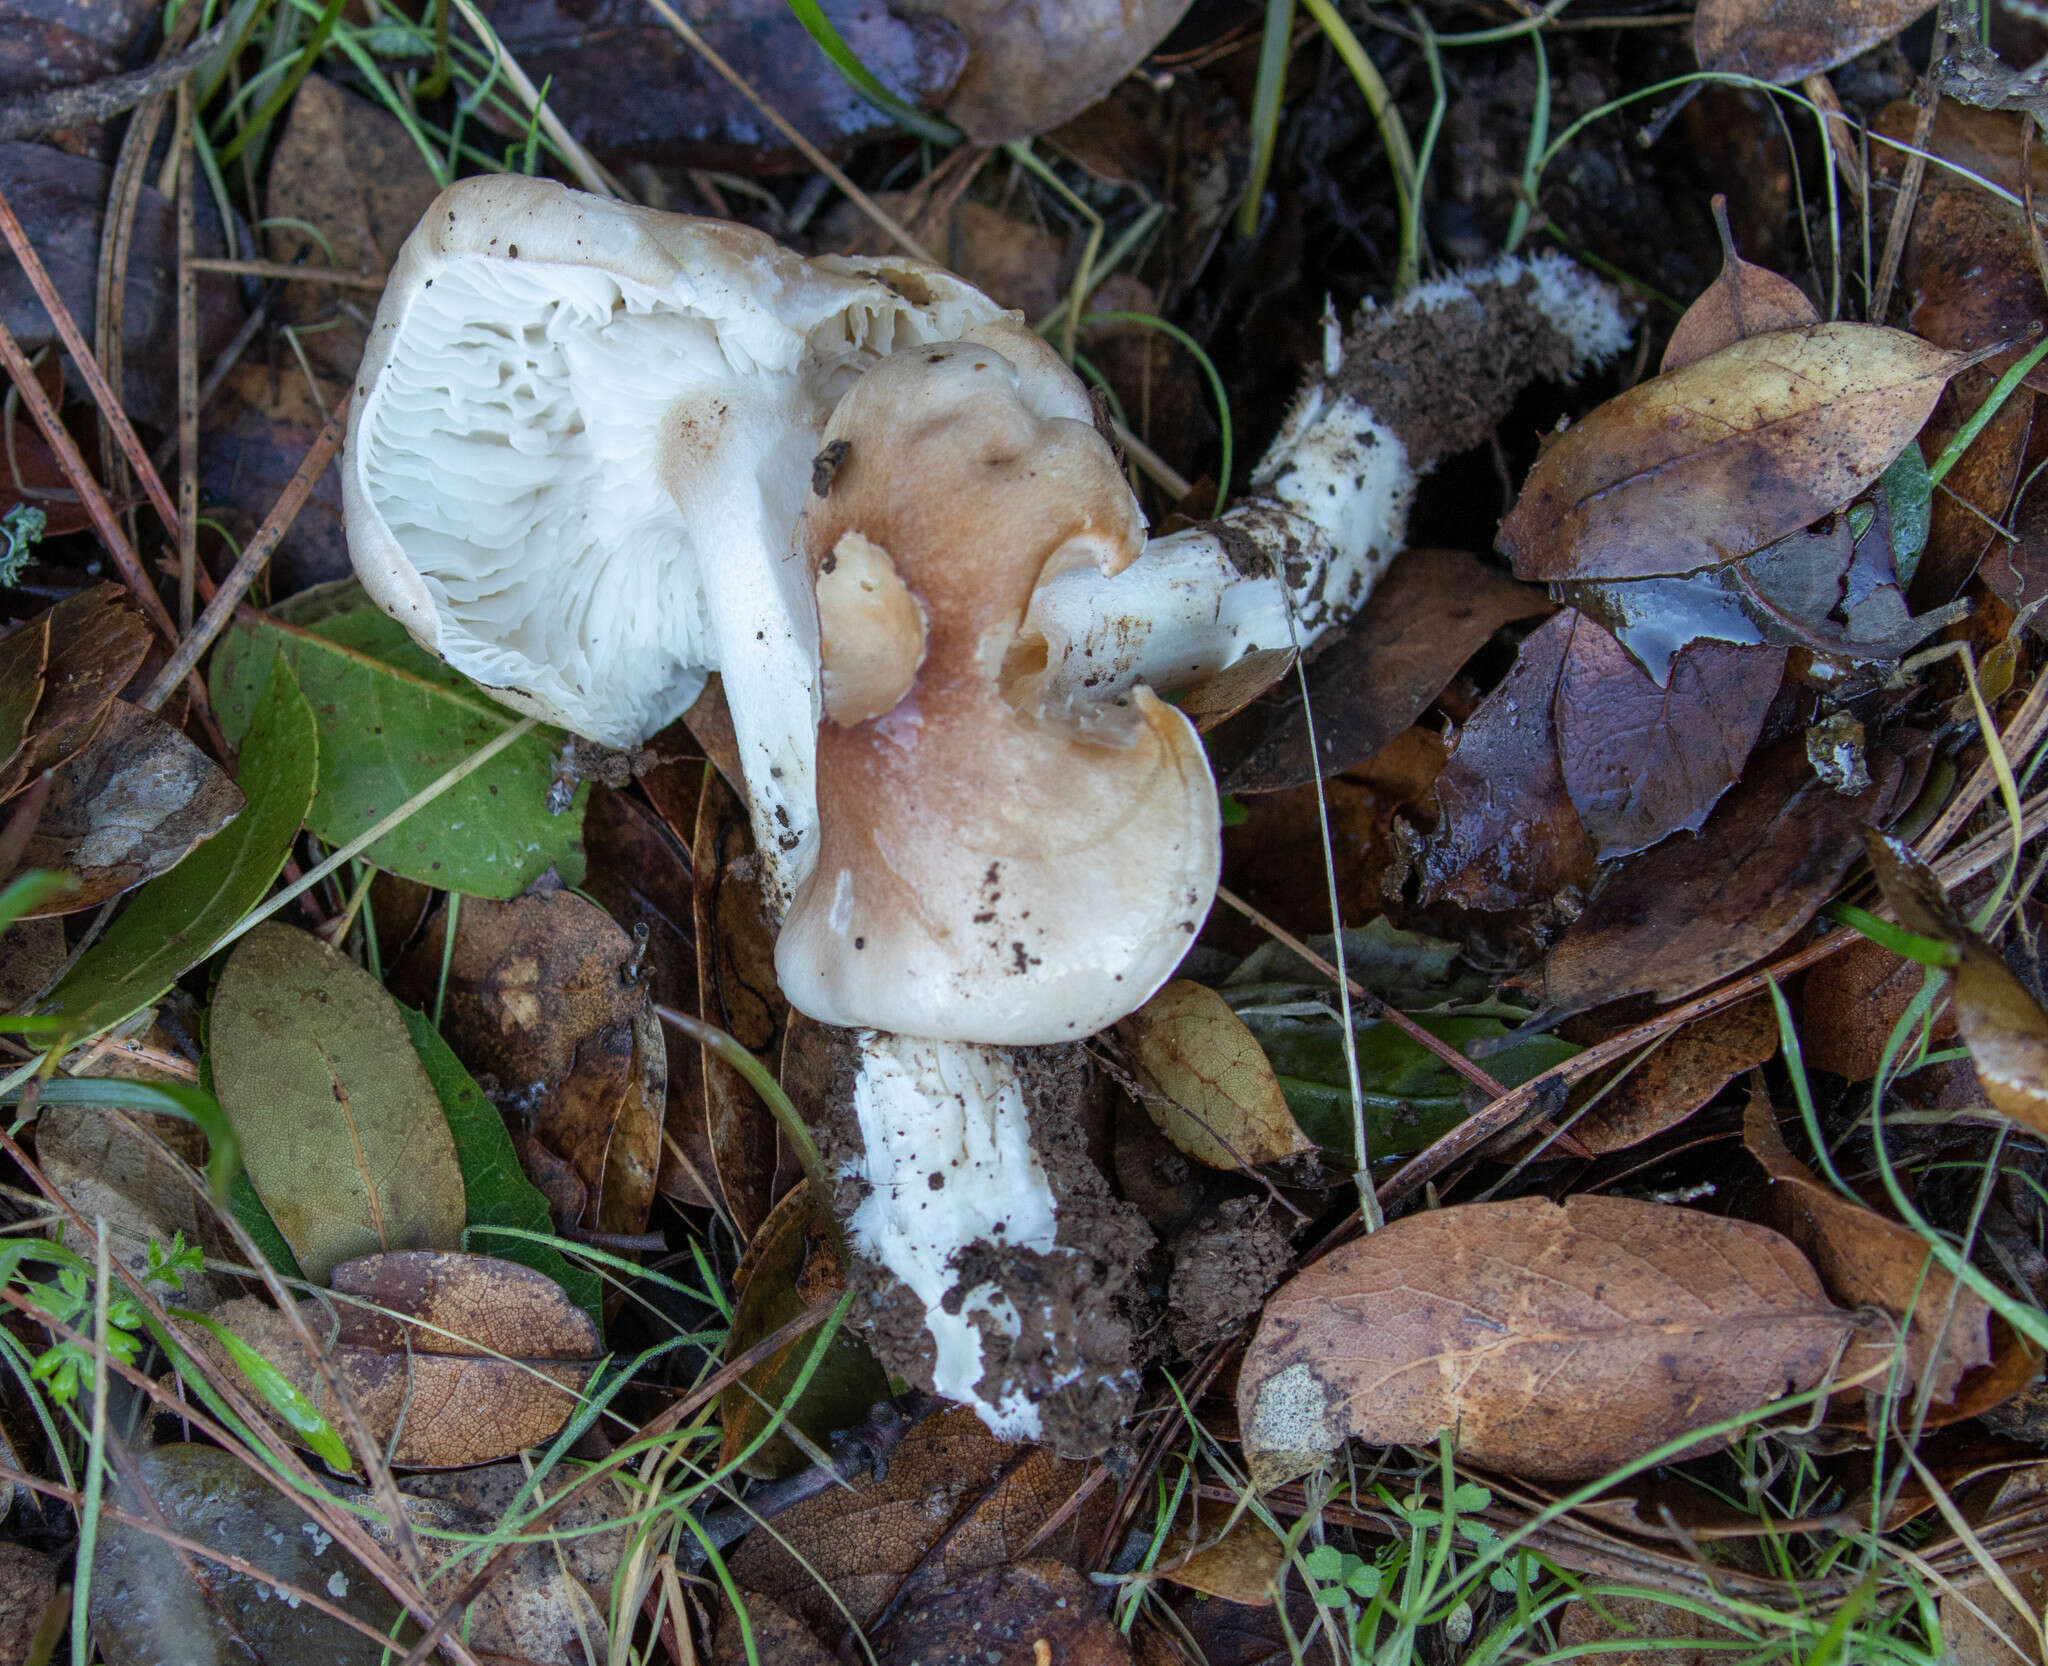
1725 455
2001 1022
1868 1261
452 1359
342 1133
1783 40
1505 1321
1218 1099
1745 300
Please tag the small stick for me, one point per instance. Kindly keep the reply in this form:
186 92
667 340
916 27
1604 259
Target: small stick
1908 198
188 370
88 366
258 551
289 272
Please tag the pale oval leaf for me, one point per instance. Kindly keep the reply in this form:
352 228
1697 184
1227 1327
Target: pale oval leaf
1218 1098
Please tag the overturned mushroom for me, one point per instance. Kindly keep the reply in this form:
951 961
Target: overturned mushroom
581 437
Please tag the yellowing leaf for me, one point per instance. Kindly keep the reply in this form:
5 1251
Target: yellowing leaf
1220 1101
1726 455
342 1133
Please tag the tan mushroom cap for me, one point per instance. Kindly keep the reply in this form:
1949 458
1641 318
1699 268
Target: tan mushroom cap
985 873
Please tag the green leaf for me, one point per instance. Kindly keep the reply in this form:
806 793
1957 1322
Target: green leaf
277 1390
1909 494
173 922
392 720
195 1105
1411 1096
497 1188
341 1130
248 1209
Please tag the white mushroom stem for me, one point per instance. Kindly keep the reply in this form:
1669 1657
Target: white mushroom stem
956 1111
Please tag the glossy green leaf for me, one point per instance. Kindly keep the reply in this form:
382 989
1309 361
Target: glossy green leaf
31 890
174 921
1909 495
393 719
341 1130
496 1186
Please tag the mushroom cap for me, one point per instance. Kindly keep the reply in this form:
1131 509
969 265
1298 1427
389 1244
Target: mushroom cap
988 869
580 441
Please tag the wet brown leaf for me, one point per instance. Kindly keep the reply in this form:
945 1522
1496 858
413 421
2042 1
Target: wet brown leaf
98 640
342 1134
538 1008
681 110
1507 834
24 651
792 1264
737 991
1724 456
1784 40
1868 1261
949 1479
1702 906
1031 65
1642 762
2001 1022
1745 300
1038 1613
457 1359
1223 696
127 808
1218 1098
1849 1005
1506 1321
1432 611
1976 494
1681 1076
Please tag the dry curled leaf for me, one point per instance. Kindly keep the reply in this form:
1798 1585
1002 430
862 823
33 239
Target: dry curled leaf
128 807
1504 1322
98 639
1233 1556
452 1359
1785 40
1734 451
342 1133
1867 1261
1218 1098
1642 762
1745 300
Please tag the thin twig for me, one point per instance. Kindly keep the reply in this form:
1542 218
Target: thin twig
188 371
1907 200
290 273
253 557
39 113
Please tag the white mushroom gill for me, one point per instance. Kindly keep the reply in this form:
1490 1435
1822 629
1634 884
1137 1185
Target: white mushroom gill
949 1163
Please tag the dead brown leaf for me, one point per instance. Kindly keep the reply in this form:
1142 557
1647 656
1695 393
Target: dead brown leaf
1681 1076
1432 611
1745 300
1031 65
1702 906
1038 1613
258 428
537 1006
24 652
1608 1620
737 991
452 1359
1784 40
1849 1005
98 639
1238 1560
1977 492
1505 1321
1218 1099
1867 1261
950 1479
1643 762
1733 452
1506 833
128 807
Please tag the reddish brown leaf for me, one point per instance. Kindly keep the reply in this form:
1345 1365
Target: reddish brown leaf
1702 906
1868 1261
1640 761
98 638
1784 40
1849 1005
1432 611
1505 1321
1731 453
127 808
1506 833
1681 1076
24 652
1976 494
1745 300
